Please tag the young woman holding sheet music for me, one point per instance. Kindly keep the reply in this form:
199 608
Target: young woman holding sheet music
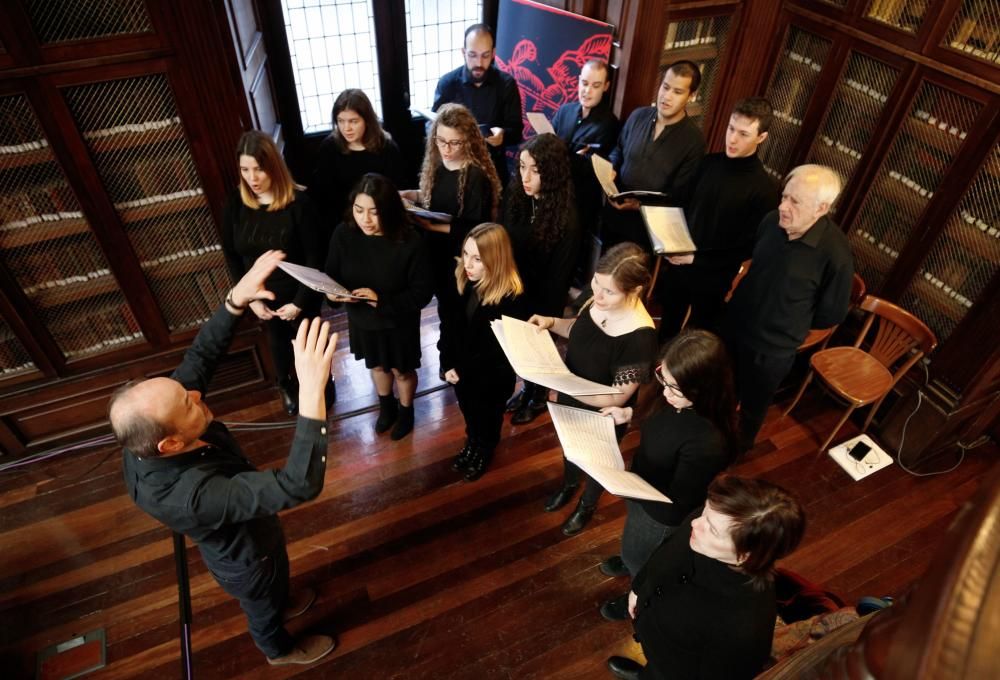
489 287
683 447
356 146
612 342
459 179
378 256
540 216
270 212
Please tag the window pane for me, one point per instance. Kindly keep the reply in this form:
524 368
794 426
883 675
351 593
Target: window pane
435 30
332 45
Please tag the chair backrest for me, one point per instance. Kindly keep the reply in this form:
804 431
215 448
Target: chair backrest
858 290
744 268
898 333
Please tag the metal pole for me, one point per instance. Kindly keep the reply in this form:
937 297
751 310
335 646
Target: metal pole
184 601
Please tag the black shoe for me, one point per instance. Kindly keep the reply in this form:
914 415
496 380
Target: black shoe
560 497
624 668
616 609
482 456
528 412
289 397
578 520
404 423
517 401
388 409
464 457
614 566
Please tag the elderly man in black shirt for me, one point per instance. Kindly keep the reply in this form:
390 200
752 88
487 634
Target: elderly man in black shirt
799 279
730 195
658 150
187 471
488 92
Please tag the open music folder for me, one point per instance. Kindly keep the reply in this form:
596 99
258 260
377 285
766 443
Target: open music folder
604 172
667 229
317 280
534 357
588 439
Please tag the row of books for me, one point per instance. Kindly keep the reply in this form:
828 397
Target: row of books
101 328
62 264
694 32
164 237
13 358
135 177
50 202
126 128
947 290
189 301
939 123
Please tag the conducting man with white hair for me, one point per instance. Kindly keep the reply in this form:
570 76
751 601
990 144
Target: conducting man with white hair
800 278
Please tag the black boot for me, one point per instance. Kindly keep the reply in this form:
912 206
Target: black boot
464 457
616 609
518 400
388 409
614 566
578 520
289 391
560 497
404 423
533 405
482 456
624 668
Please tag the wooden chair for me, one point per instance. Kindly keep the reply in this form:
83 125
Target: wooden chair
822 335
862 377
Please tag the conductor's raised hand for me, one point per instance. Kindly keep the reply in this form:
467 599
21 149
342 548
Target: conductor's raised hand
251 286
313 348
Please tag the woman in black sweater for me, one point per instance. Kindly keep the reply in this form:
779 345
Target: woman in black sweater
270 212
459 179
540 215
377 256
682 448
704 604
356 146
471 358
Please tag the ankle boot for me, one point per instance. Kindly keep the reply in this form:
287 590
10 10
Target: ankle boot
578 520
560 498
518 400
404 423
388 408
464 457
533 405
482 456
289 391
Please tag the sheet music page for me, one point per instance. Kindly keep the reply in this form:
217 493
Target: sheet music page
667 229
531 350
540 123
587 437
316 280
427 113
604 172
627 484
570 384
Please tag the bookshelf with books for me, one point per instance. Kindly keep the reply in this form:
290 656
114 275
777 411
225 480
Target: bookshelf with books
704 41
114 165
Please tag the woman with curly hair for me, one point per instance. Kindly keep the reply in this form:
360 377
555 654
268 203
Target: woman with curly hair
457 178
541 217
356 146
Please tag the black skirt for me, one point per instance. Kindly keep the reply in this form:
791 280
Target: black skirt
389 348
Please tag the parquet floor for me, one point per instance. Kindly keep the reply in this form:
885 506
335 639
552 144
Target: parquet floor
420 574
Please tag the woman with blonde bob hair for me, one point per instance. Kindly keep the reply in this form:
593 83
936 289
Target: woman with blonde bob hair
459 179
271 212
488 287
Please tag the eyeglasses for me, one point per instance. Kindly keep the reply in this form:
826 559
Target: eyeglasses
452 144
658 372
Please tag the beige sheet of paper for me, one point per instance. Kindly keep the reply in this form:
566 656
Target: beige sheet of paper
604 172
540 123
668 229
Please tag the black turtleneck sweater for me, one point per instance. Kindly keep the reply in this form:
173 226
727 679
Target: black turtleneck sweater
729 198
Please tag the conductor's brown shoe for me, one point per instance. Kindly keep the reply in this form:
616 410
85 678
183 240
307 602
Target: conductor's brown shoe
299 602
307 650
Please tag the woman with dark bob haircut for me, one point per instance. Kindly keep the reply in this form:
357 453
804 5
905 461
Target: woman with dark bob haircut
540 216
704 604
356 146
683 447
377 256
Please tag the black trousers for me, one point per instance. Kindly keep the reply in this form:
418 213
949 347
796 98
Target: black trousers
704 290
757 378
262 590
619 226
482 396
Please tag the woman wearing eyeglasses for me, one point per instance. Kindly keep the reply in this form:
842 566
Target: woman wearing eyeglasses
612 342
683 446
457 178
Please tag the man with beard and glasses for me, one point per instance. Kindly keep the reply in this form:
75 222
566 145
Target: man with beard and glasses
489 93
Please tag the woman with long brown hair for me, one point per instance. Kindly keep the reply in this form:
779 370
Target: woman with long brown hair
489 287
271 212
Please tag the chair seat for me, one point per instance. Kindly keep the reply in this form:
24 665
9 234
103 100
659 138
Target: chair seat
815 336
852 373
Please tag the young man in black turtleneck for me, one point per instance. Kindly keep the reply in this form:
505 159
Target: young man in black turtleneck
731 192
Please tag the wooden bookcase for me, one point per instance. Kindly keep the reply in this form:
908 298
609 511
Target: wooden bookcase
115 158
